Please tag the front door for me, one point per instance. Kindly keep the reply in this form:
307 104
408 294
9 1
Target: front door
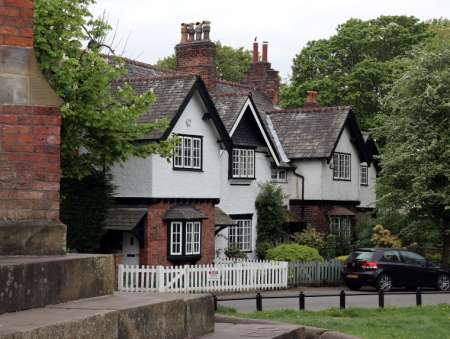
130 249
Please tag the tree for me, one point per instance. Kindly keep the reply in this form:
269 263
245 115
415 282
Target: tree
272 216
84 207
415 159
231 63
99 118
357 65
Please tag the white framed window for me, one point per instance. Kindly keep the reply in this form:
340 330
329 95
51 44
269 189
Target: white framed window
341 226
176 236
240 235
192 237
188 153
364 175
243 163
342 166
279 175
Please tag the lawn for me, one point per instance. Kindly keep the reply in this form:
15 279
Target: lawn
427 322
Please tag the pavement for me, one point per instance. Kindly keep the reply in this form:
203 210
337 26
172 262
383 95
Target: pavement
316 304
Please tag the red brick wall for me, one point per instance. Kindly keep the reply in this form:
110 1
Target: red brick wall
198 57
29 162
16 23
262 77
155 242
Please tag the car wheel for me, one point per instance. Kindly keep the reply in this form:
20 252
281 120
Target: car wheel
443 282
354 287
384 282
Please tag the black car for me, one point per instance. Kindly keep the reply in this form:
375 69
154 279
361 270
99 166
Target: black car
385 268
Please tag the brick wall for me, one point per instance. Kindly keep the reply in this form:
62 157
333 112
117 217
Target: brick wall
262 77
29 163
16 23
198 57
155 242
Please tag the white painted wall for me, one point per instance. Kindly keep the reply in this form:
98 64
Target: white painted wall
155 176
319 183
241 199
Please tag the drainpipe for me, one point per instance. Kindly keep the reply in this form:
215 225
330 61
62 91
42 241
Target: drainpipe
302 178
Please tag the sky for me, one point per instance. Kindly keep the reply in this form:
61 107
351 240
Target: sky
148 30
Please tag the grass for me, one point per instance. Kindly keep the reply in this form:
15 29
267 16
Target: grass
426 322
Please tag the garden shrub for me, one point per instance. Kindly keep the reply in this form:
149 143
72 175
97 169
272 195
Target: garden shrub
262 248
342 258
293 252
312 238
234 252
382 237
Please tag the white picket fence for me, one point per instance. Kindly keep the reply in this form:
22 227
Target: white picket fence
221 277
314 272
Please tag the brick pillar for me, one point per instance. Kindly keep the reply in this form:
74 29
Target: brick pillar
29 142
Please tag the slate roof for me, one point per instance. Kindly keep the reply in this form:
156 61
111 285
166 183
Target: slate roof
221 218
170 93
124 219
182 212
141 69
309 132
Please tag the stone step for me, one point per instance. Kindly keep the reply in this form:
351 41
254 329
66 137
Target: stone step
250 331
37 281
115 316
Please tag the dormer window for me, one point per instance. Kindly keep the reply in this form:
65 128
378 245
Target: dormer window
188 153
243 163
364 175
342 166
279 175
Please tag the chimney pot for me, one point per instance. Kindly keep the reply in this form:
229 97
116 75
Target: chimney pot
198 31
264 51
191 31
311 99
206 25
184 32
255 58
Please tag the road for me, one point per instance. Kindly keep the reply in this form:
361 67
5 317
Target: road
315 304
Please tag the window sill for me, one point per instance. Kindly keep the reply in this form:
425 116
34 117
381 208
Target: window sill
241 181
337 179
184 257
188 169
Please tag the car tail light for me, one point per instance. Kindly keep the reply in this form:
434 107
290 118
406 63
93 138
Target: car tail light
369 265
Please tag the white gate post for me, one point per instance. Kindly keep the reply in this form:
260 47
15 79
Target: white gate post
120 278
186 279
160 278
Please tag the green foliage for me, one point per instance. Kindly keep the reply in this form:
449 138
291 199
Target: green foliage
231 63
293 252
98 121
342 258
357 65
234 252
262 248
387 323
312 238
272 216
84 206
415 160
382 237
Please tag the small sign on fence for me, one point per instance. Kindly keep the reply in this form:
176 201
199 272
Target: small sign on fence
213 275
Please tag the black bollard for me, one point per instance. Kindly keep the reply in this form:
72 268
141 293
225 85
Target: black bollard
381 298
215 303
418 297
301 301
258 302
342 300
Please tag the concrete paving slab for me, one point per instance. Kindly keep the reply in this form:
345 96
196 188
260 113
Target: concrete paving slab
262 331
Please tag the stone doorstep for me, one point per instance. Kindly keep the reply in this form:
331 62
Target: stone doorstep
115 316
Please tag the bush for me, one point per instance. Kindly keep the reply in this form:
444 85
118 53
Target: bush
234 252
342 258
382 237
262 248
312 238
293 252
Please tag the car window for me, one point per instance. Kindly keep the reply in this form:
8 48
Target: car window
391 256
362 255
413 259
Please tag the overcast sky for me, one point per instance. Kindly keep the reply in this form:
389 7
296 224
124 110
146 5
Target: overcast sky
152 26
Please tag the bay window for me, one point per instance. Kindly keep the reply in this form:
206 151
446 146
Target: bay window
341 226
184 238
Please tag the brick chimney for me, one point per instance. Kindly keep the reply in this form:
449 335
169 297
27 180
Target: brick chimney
195 54
261 76
311 99
29 142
